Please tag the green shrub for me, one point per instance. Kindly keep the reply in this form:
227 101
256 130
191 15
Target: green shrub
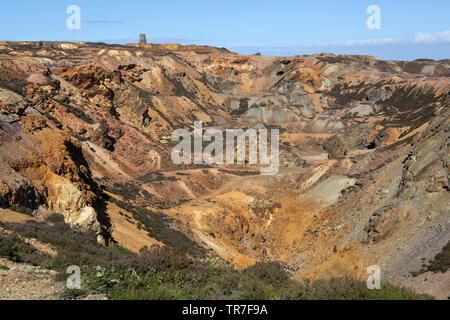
15 249
441 262
120 249
55 218
270 272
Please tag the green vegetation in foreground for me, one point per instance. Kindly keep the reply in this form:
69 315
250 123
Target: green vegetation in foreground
263 281
164 273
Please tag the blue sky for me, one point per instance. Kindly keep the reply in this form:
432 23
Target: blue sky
409 29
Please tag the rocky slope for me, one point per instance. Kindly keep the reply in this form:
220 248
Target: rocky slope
85 132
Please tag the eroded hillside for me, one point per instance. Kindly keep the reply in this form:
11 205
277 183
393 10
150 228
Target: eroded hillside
364 161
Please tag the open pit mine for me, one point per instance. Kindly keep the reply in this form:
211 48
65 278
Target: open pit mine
363 178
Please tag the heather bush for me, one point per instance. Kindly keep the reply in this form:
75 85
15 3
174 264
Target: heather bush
441 262
15 249
168 273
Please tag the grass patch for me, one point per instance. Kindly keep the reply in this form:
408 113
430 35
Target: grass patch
120 249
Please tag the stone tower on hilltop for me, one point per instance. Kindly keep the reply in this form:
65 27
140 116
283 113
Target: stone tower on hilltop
142 39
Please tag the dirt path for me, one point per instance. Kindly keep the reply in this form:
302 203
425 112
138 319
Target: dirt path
20 281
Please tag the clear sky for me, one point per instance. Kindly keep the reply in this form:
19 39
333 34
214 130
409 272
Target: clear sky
409 28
